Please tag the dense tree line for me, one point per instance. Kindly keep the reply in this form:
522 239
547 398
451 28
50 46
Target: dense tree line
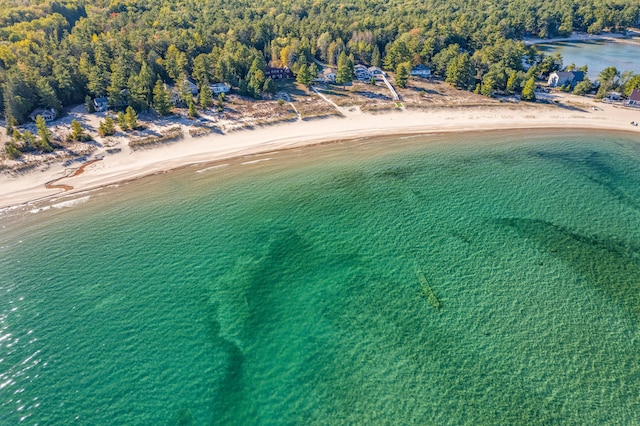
55 53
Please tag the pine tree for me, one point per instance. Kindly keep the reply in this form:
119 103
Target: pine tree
122 121
375 57
48 97
269 86
460 71
488 83
44 133
161 101
76 131
402 74
206 96
107 127
345 73
88 103
131 117
304 76
512 82
528 92
192 109
12 150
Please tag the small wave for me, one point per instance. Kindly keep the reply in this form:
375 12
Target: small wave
256 161
219 166
71 203
41 209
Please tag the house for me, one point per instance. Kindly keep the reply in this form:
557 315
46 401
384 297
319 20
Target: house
101 104
563 78
278 73
421 71
362 73
218 88
47 114
613 96
375 71
634 98
328 75
193 88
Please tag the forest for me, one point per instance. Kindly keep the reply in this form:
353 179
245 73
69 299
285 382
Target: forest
57 53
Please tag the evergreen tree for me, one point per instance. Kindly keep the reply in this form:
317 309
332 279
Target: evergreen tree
88 103
116 93
193 113
269 86
175 62
131 117
44 133
12 150
402 74
512 82
375 57
122 121
107 127
460 71
582 88
161 101
304 77
77 132
529 90
488 85
345 70
221 102
48 97
206 96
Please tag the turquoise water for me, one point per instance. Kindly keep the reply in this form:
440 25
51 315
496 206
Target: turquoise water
464 279
597 55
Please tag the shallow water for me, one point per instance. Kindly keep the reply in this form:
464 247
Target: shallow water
485 278
597 55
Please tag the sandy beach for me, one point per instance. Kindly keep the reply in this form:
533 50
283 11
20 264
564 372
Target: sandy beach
570 112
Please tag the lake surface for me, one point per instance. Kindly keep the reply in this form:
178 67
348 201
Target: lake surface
460 279
597 55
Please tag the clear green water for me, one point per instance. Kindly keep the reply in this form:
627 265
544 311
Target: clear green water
303 289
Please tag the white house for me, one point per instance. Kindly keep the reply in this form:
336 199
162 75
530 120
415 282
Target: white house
328 75
562 78
362 73
218 88
46 114
421 71
375 71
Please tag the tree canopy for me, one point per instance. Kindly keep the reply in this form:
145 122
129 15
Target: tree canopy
54 53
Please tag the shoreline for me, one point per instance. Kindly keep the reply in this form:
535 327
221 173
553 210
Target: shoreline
573 113
585 38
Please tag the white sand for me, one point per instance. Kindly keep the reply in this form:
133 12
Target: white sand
578 113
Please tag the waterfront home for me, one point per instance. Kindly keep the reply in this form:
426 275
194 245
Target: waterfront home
218 88
101 104
328 75
46 114
421 71
564 78
193 87
375 71
361 72
634 98
278 73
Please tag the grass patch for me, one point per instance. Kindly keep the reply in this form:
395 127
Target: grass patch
169 135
